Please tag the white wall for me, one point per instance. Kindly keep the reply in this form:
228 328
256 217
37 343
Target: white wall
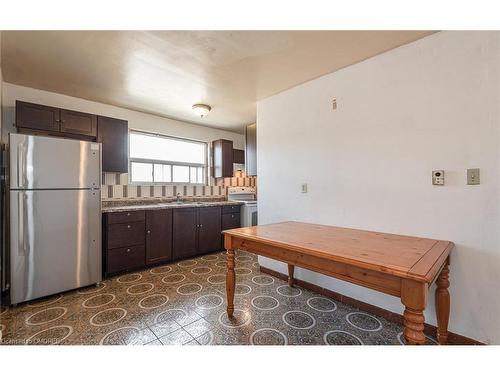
136 120
432 104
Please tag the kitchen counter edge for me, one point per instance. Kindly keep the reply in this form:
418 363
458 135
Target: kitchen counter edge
166 206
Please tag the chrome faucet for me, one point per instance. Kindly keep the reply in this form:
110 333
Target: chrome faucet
178 198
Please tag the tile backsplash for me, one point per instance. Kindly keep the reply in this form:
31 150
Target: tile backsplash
239 179
116 186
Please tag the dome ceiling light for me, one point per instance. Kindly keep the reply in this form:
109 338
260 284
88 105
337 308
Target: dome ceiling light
201 109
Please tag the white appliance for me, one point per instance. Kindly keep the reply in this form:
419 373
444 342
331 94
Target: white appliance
55 218
247 196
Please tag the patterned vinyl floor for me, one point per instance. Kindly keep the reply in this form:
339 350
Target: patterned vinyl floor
184 303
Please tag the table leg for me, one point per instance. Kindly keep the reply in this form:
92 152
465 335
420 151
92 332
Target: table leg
414 297
291 269
230 283
443 304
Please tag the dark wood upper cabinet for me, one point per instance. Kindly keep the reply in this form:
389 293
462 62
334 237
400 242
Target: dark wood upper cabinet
78 123
209 229
223 158
158 236
251 150
185 229
113 134
238 156
57 122
36 116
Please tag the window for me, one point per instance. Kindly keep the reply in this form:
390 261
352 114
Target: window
161 159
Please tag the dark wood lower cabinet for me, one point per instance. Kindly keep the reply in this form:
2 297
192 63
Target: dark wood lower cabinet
158 236
185 229
135 239
209 229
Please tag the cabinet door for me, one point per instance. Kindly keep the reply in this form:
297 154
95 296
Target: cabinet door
209 231
113 134
238 156
158 236
36 116
251 150
185 229
80 123
223 158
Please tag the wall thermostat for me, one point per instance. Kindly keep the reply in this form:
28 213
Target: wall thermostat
438 177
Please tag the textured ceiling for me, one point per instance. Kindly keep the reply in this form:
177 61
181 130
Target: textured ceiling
166 72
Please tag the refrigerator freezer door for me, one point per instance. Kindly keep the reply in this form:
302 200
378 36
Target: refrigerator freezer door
55 241
38 162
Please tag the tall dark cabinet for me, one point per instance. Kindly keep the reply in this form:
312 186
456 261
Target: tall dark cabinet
223 158
251 150
113 134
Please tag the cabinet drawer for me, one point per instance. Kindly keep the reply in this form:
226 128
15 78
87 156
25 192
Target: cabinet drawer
127 234
230 221
125 258
230 209
125 217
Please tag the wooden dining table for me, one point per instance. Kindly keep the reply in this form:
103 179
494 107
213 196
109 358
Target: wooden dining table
401 266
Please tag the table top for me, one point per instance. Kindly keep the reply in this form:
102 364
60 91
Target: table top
405 256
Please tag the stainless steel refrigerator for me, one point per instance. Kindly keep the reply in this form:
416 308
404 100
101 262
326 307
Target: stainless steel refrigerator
55 218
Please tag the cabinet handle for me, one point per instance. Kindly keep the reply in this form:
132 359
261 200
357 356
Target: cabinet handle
201 225
148 232
128 250
128 226
128 213
232 216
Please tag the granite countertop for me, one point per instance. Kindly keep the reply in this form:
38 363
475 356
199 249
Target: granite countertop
136 204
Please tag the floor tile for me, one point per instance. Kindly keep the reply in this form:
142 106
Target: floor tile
184 303
179 337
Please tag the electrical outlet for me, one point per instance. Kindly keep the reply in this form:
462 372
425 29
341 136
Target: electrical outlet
438 177
304 188
473 177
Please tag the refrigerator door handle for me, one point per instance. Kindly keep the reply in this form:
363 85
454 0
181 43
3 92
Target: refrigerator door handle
20 165
20 224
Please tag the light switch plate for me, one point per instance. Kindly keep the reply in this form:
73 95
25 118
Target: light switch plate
304 188
473 176
438 177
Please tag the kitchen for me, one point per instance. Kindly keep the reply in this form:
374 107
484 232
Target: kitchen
163 189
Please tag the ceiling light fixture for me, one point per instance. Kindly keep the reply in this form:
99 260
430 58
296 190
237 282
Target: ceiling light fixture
201 109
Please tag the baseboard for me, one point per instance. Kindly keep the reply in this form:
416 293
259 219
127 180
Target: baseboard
430 330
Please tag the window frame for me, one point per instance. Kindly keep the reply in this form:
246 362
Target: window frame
167 162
